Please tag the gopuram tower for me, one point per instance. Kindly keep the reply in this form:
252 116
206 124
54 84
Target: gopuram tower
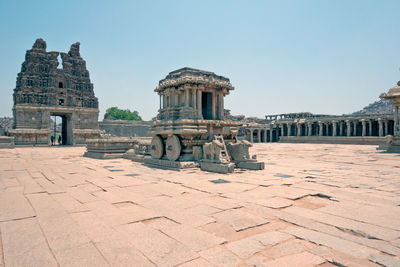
43 90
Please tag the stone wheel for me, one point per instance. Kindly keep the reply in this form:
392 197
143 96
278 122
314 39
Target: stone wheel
173 147
157 147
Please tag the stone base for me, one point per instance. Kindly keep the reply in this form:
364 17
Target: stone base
100 155
393 149
217 167
167 164
6 142
251 165
135 157
392 144
352 140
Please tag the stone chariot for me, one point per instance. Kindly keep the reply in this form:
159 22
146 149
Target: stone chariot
191 126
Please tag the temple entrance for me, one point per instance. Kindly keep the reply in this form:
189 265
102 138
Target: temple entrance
61 133
206 105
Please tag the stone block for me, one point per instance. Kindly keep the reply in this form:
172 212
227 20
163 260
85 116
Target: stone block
167 164
6 142
251 165
217 167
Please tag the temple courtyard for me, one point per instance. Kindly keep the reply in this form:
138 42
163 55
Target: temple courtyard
313 204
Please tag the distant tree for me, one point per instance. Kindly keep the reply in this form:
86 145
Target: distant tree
114 113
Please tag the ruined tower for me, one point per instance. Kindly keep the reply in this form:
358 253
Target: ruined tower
44 90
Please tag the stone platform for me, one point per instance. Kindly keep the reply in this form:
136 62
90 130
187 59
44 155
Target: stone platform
6 142
108 148
313 205
167 164
354 140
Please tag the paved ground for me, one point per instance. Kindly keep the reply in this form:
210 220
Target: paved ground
320 205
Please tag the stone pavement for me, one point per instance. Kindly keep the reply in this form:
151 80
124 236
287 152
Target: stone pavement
314 204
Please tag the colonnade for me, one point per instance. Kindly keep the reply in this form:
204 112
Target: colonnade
336 127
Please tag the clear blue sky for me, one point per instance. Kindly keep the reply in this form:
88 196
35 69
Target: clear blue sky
321 56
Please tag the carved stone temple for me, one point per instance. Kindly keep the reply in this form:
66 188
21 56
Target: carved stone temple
393 142
44 90
191 128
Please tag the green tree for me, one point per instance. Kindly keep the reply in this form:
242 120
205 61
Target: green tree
114 113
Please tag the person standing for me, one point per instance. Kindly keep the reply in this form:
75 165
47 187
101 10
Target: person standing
59 139
52 139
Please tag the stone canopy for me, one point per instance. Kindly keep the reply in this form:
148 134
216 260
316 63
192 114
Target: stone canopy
193 76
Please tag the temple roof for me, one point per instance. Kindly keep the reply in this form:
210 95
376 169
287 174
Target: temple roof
393 92
193 76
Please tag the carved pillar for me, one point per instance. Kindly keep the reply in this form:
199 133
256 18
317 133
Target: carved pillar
386 127
221 105
187 101
298 129
251 136
259 135
380 123
333 128
321 128
282 130
199 111
348 124
355 128
364 127
289 129
265 135
213 105
309 130
396 131
370 127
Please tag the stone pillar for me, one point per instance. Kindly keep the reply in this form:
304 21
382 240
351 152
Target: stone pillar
282 130
199 111
386 127
333 128
309 130
259 135
396 126
340 128
221 106
380 123
251 136
193 99
213 105
265 135
364 127
289 129
321 128
348 123
298 129
187 101
370 127
355 128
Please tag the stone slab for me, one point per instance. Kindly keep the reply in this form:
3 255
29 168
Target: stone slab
216 167
331 241
239 220
24 244
13 206
167 164
250 165
101 155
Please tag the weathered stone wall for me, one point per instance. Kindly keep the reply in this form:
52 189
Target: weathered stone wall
126 128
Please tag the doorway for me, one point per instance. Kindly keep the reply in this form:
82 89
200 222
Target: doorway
60 134
206 105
